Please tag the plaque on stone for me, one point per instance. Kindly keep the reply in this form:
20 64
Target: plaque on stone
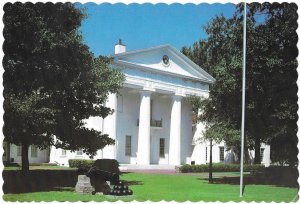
84 185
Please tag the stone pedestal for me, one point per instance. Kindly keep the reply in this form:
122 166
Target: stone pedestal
84 185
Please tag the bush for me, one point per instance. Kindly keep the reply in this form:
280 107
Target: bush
81 163
218 168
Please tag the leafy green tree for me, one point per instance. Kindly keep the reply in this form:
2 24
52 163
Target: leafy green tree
221 56
52 82
273 76
271 90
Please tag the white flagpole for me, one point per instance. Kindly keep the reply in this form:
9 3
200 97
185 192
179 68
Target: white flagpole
243 99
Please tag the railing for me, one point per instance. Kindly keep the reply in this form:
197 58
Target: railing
153 123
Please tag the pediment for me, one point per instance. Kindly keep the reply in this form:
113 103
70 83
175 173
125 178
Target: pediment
163 59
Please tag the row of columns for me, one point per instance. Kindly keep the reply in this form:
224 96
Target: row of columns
143 154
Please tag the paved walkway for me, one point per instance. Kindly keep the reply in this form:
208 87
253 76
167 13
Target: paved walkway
158 169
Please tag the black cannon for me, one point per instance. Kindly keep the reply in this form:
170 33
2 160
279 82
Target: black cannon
95 172
104 170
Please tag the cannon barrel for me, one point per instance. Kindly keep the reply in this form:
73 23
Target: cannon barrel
105 175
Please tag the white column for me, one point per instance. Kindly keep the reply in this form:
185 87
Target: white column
143 154
175 132
110 127
267 155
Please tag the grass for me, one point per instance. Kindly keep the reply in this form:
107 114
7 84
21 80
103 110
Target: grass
178 187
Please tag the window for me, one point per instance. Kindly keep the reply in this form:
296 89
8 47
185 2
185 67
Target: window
151 109
221 153
19 151
79 152
34 152
205 153
128 146
63 152
120 104
162 147
262 154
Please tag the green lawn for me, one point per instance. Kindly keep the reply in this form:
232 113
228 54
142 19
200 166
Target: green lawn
178 187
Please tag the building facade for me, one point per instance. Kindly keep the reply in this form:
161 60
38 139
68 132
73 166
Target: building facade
152 122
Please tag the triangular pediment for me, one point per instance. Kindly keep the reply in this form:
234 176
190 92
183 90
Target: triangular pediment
163 59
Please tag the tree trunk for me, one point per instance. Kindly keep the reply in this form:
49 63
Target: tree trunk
257 150
210 162
247 159
25 160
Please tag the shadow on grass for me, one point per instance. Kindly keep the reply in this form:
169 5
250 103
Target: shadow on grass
292 183
125 172
133 183
71 189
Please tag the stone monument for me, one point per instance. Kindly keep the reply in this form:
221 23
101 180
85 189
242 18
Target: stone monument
84 185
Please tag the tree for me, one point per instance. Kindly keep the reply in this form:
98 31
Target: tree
271 90
52 82
221 56
274 75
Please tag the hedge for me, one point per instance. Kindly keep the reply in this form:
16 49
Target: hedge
81 163
110 165
217 168
14 164
38 180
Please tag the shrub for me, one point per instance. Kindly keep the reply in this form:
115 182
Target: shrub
81 163
218 168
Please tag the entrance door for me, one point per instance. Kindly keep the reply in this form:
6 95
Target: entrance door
153 150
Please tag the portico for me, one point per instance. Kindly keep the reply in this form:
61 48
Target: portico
144 137
155 134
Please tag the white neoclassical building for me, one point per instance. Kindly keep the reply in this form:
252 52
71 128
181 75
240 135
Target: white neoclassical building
152 122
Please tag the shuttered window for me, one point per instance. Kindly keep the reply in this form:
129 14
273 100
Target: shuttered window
128 146
19 151
221 153
161 147
34 151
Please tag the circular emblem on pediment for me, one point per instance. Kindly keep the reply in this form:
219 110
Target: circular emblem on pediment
166 60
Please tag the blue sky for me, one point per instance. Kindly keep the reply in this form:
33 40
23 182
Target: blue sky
147 25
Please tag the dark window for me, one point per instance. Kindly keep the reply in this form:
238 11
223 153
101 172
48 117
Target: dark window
151 109
221 153
128 146
262 154
79 152
205 153
19 151
161 147
33 151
